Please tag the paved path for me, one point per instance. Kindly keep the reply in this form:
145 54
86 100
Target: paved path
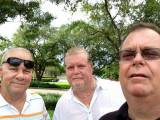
47 90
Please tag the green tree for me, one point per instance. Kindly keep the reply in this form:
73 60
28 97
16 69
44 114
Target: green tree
52 71
4 44
40 39
107 26
10 9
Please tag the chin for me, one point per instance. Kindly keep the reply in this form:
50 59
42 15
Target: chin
77 86
140 92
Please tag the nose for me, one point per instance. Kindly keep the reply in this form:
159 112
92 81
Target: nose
76 70
20 72
138 60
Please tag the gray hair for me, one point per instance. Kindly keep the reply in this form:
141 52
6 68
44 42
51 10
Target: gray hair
14 49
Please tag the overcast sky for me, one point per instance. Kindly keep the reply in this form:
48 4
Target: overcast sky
63 17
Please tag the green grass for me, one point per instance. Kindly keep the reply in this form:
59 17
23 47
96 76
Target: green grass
50 112
59 83
62 85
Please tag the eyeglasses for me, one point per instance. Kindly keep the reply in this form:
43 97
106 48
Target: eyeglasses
17 61
147 54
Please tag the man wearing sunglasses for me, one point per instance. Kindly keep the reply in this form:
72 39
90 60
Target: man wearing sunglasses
139 74
16 102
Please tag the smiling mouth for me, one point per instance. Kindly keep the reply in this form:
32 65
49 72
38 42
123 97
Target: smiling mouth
18 83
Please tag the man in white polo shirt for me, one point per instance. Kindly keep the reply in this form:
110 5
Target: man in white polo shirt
17 103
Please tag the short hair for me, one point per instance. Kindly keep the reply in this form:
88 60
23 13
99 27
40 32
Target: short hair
141 26
77 49
14 49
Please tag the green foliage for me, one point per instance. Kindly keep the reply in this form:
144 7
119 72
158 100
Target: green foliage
61 85
46 79
49 79
13 8
53 71
42 85
110 71
108 23
102 35
41 43
50 112
4 44
50 100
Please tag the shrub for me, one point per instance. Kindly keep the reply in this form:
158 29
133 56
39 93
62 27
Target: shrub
42 85
46 79
61 85
50 100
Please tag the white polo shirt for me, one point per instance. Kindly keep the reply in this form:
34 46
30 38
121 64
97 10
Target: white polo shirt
107 97
34 109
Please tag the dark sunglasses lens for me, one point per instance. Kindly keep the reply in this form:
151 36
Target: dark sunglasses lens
14 61
28 64
127 55
151 54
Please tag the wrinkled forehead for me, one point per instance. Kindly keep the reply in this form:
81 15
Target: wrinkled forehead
141 38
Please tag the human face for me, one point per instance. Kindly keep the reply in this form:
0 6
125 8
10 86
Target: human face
78 70
140 77
15 79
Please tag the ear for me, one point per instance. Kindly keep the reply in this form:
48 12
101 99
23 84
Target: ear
1 72
92 67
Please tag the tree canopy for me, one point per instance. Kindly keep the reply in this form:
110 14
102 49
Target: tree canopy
102 35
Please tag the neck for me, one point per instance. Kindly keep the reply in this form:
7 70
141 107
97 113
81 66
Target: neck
85 95
144 108
16 100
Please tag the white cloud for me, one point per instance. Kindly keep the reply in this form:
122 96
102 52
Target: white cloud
9 28
63 17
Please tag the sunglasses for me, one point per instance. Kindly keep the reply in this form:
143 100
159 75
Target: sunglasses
17 61
147 54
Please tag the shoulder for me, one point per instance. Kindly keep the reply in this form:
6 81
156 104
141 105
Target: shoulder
108 84
65 97
109 116
33 95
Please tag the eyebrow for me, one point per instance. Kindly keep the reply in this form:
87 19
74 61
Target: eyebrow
146 47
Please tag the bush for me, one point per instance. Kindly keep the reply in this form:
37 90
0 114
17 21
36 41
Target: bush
42 85
61 85
46 79
50 100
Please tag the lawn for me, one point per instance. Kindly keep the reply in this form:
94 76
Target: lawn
50 112
62 85
59 83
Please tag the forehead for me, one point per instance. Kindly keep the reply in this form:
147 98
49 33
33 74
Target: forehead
19 54
76 57
141 39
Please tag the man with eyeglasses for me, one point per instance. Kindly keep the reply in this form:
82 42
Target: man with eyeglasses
139 74
16 102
